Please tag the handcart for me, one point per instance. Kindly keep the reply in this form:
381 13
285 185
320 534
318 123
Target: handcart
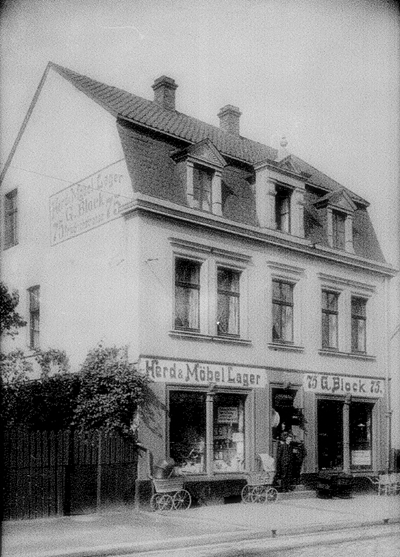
168 491
259 487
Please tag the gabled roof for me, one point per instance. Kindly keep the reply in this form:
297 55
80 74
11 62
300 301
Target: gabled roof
142 111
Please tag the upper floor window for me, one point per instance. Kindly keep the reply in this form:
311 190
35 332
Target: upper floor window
202 188
187 294
282 209
330 315
282 311
358 324
34 316
338 230
11 219
228 281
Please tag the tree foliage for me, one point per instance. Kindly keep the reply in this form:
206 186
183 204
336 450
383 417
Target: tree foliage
111 391
106 393
10 320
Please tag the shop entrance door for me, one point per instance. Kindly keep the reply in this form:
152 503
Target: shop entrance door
330 434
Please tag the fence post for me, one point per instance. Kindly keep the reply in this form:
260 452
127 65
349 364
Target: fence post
99 458
68 473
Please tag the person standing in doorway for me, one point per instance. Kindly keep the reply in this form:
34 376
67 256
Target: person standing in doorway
286 462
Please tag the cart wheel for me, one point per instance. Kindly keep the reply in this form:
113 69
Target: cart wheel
154 502
272 495
181 500
259 494
246 493
164 502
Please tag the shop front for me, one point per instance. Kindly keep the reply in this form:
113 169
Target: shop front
210 420
348 429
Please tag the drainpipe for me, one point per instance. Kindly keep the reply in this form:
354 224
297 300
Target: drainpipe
387 376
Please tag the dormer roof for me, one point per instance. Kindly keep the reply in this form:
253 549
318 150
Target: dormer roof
203 152
339 200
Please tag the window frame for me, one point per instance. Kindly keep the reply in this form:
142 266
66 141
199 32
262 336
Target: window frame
229 295
326 311
11 219
189 287
339 230
34 317
356 318
281 303
198 186
283 195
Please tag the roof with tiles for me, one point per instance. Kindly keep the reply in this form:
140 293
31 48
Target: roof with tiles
144 112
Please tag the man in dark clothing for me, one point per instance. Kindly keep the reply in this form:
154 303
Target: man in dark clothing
285 466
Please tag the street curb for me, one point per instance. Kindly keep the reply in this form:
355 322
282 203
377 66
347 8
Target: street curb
211 539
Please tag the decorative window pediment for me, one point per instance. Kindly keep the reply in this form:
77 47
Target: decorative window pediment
288 164
339 200
204 153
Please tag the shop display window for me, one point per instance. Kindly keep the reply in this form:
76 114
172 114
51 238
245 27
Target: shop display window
330 434
361 434
187 412
189 431
228 430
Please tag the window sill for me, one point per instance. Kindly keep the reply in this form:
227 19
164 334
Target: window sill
353 355
208 338
285 347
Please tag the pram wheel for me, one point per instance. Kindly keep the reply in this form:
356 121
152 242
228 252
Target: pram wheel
181 500
259 494
161 502
246 493
272 495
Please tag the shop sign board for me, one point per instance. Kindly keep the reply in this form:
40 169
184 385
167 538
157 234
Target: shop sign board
198 373
228 414
361 458
93 201
344 385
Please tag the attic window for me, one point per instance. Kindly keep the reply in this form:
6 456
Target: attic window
199 168
202 188
338 230
282 209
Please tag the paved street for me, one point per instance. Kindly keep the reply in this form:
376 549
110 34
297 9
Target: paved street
377 541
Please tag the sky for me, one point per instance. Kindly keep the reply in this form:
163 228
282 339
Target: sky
322 73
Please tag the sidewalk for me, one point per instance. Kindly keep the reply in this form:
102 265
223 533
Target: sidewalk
127 530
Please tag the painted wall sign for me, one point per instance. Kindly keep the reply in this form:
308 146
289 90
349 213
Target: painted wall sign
342 385
197 373
89 203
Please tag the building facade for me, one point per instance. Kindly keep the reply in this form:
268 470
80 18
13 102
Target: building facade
247 285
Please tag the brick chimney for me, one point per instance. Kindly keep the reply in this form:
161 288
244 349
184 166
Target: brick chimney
229 117
164 92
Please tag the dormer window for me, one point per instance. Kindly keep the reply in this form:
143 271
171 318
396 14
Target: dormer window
202 188
338 230
199 168
282 209
339 211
